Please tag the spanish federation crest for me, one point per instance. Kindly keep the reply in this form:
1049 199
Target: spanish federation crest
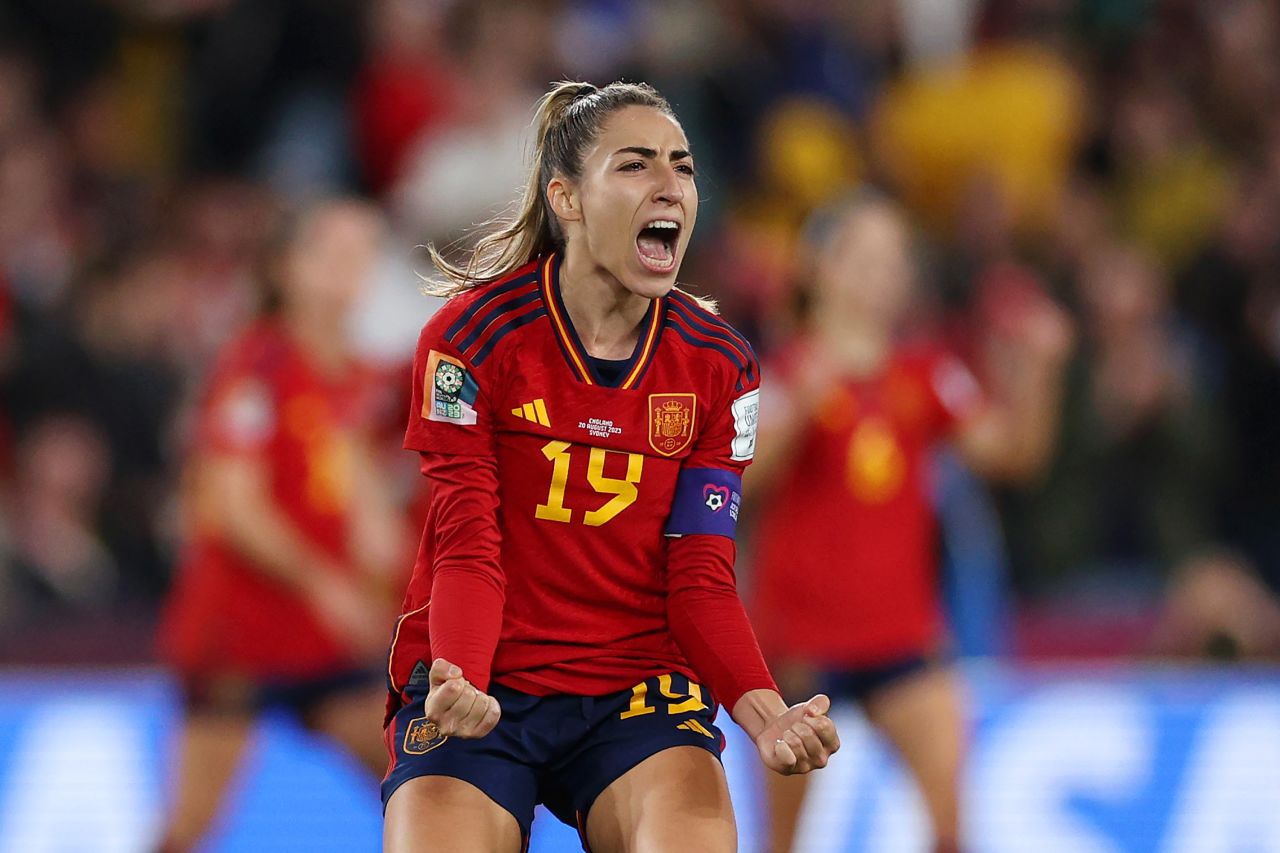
422 736
671 420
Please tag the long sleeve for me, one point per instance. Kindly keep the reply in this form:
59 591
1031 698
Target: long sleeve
707 619
451 425
468 586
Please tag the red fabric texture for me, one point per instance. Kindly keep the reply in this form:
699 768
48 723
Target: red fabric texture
467 587
707 618
579 489
846 569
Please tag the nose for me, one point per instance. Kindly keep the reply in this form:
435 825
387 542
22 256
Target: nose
670 189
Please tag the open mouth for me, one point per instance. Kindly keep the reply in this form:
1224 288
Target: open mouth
656 245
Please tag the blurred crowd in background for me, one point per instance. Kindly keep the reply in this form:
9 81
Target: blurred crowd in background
1119 156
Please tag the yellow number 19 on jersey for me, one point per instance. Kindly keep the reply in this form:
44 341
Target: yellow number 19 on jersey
623 491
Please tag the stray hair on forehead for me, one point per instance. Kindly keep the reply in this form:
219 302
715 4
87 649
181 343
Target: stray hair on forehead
567 120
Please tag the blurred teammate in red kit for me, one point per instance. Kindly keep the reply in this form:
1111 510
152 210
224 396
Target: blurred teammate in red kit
284 587
846 594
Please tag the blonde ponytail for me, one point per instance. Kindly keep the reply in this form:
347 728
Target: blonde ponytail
567 120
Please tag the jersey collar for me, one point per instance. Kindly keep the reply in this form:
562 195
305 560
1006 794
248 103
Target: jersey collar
576 354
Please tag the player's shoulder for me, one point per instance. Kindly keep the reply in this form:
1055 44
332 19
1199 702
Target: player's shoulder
476 321
701 333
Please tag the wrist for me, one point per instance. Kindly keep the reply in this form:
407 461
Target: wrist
319 578
757 709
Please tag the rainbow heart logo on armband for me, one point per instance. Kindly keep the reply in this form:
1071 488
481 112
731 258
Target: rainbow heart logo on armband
715 497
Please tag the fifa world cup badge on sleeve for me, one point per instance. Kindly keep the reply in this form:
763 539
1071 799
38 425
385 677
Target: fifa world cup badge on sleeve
450 392
746 417
671 419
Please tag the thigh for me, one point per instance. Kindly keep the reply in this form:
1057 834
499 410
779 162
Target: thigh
648 775
353 718
485 785
922 715
211 746
441 814
674 800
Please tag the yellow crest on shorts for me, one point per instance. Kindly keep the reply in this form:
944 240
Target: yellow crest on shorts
422 736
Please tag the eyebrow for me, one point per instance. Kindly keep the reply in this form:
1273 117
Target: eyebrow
650 153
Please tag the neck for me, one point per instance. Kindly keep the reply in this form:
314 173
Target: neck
605 314
859 348
323 339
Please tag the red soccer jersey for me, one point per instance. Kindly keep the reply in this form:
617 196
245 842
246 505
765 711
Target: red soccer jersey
846 552
267 401
591 482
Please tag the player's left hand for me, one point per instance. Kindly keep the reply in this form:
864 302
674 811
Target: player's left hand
800 739
456 706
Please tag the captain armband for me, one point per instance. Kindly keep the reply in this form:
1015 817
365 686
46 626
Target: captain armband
707 500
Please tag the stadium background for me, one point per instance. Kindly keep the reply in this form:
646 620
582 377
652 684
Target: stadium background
1117 618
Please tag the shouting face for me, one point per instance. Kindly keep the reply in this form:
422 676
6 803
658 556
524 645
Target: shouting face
634 204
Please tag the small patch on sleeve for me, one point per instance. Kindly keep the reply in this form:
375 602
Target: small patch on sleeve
746 418
450 392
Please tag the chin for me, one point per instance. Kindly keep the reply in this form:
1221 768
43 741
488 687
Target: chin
644 281
650 285
653 287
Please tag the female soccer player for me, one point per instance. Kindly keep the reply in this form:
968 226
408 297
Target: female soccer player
282 597
846 592
584 426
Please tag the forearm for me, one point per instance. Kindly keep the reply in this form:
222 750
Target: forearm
1012 440
707 619
379 541
468 589
1037 409
256 528
776 446
1031 414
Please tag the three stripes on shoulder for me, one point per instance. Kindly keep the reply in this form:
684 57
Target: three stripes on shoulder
535 412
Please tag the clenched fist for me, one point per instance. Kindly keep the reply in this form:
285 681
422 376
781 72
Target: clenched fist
456 707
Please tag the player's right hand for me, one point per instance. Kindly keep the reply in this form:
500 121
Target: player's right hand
456 707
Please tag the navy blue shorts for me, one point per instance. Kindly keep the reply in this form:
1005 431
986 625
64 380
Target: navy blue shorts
860 683
239 695
561 751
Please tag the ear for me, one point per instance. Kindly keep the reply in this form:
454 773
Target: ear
564 199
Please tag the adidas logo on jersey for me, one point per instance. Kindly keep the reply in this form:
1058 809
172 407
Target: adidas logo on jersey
535 412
